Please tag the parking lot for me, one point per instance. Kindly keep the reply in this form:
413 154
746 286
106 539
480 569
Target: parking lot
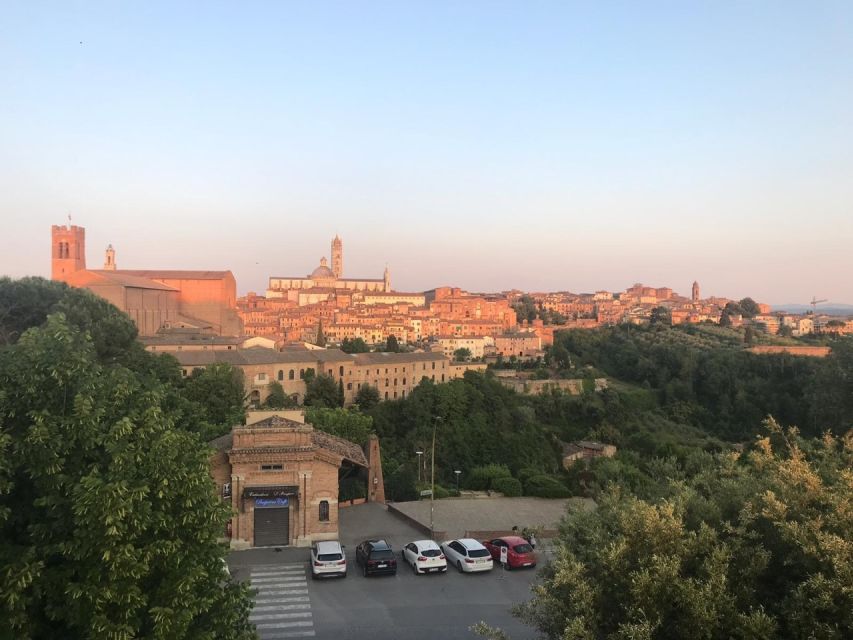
291 605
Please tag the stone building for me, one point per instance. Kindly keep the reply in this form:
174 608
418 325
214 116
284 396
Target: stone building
394 375
281 478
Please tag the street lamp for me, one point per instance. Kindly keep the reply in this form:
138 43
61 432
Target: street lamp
420 453
435 422
457 472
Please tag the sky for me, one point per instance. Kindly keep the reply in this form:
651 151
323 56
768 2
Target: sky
544 146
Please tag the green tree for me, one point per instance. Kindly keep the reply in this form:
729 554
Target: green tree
749 308
754 547
462 355
109 522
367 397
321 337
392 344
350 425
322 391
356 345
661 316
220 393
525 309
277 398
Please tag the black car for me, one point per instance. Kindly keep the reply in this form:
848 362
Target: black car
375 556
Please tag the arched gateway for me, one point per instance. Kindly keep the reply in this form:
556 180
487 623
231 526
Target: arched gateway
281 477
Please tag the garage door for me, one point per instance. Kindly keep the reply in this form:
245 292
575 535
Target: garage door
272 527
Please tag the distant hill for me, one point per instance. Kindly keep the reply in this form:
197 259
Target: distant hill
829 309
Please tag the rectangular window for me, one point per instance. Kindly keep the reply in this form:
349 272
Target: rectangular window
272 467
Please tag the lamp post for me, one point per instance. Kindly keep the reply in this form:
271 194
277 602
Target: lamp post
457 472
419 453
435 422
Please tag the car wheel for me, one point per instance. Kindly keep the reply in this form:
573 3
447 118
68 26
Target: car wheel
459 566
415 568
364 570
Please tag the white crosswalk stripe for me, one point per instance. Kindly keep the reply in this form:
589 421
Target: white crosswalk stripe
282 605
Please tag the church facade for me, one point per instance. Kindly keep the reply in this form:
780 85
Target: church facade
322 283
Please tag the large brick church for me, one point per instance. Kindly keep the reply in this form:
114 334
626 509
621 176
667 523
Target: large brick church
154 299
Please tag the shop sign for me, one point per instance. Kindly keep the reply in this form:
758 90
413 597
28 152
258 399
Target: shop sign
273 491
267 503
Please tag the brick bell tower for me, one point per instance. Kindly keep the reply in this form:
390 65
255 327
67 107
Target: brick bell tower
68 250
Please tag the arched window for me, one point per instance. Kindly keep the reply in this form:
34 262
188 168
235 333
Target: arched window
290 375
324 510
342 371
301 374
281 374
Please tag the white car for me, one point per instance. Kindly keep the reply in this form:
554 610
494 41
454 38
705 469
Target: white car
467 555
424 556
328 559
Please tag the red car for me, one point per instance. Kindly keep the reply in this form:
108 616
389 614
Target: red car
519 553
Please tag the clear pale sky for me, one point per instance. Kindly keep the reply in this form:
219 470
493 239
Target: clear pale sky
535 145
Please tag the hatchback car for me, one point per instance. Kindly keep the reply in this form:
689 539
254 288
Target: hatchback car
328 559
425 556
375 556
519 552
467 555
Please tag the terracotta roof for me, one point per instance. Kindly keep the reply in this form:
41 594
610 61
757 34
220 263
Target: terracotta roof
177 274
397 358
90 277
222 443
344 448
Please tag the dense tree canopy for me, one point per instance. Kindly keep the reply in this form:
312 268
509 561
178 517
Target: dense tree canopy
323 391
756 546
109 522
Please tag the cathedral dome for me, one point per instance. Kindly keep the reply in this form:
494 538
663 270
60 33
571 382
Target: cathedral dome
322 273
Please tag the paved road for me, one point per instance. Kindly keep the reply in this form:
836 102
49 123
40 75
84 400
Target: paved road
381 607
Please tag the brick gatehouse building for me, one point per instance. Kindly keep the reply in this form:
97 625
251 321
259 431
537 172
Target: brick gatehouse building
281 478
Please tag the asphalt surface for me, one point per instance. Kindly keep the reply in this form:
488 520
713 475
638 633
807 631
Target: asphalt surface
289 604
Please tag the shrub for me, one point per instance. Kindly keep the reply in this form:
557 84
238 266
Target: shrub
481 478
526 473
441 492
510 487
543 486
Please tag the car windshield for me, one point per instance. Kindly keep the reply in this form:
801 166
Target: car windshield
329 557
522 548
478 553
430 553
381 554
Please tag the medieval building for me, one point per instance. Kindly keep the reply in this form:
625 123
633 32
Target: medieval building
154 299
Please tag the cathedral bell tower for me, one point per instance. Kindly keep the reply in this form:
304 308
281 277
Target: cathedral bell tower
68 250
337 257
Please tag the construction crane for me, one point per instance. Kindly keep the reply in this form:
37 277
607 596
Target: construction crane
816 302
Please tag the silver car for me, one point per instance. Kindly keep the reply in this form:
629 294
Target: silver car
467 555
328 559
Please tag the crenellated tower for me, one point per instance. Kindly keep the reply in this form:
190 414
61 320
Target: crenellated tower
67 250
337 257
695 296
